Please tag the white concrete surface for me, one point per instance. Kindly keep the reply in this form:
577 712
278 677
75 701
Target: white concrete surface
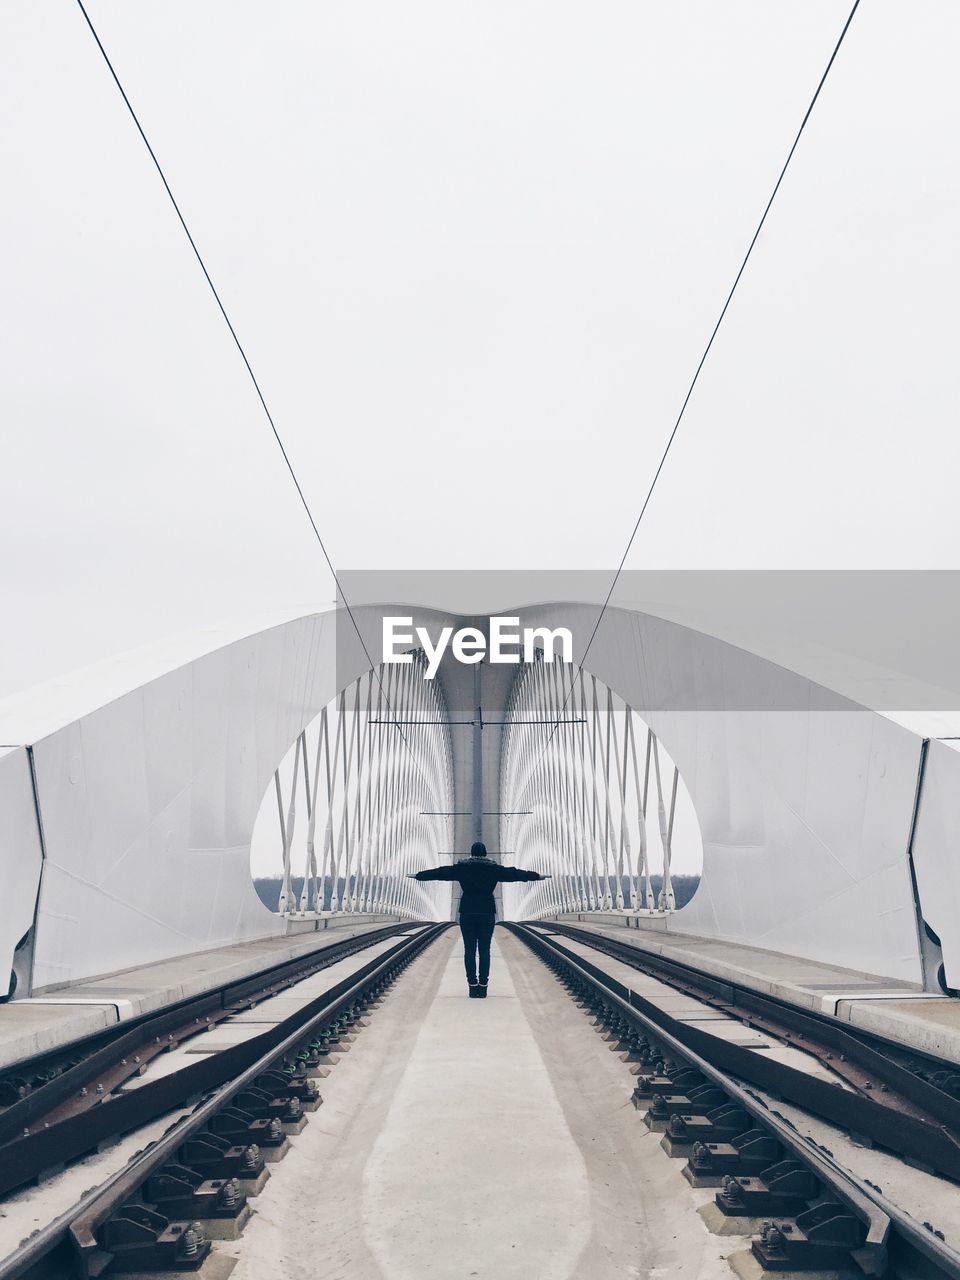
20 867
810 984
711 1021
255 1022
43 1024
934 849
896 1011
466 1139
932 1026
149 772
475 1103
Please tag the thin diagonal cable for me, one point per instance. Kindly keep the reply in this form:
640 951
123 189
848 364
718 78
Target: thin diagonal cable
239 346
711 341
703 359
213 287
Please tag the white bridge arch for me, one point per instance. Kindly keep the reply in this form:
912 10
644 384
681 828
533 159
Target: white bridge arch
128 795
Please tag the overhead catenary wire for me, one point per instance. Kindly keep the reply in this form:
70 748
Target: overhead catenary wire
243 356
703 359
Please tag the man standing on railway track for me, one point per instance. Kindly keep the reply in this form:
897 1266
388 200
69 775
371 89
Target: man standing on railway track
477 877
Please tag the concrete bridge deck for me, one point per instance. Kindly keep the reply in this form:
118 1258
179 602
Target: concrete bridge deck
897 1011
496 1138
490 1139
61 1016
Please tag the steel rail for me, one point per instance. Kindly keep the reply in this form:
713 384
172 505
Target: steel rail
79 1223
46 1145
887 1224
127 1047
848 1052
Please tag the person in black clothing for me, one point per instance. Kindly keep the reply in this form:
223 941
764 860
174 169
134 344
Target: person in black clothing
478 876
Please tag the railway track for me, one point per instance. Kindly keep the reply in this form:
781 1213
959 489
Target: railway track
805 1211
900 1101
709 1099
62 1105
161 1210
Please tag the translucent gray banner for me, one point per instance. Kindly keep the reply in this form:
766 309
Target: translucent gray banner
886 640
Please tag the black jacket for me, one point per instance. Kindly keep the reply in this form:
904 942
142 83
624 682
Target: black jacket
478 877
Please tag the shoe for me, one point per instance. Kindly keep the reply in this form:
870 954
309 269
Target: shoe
482 990
475 990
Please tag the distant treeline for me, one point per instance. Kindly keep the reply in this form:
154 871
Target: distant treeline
268 889
684 887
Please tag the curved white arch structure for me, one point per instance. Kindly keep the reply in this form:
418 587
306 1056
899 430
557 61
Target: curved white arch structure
128 795
136 786
806 801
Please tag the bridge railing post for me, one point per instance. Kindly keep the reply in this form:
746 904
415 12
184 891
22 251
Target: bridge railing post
385 760
585 807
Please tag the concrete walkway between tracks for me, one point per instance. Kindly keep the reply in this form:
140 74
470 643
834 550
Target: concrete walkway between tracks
490 1139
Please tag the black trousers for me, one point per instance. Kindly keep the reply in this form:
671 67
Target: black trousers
477 932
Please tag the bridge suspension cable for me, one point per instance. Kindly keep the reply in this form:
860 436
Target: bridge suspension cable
243 355
706 352
589 823
371 817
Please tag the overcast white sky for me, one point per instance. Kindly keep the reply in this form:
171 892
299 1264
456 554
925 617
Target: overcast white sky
474 252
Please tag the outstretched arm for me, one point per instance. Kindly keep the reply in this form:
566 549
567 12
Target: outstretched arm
518 873
435 873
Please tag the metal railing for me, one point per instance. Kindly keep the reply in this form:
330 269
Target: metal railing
578 806
375 790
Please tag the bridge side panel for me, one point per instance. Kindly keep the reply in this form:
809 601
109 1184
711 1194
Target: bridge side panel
936 851
21 858
805 800
149 805
149 800
790 869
